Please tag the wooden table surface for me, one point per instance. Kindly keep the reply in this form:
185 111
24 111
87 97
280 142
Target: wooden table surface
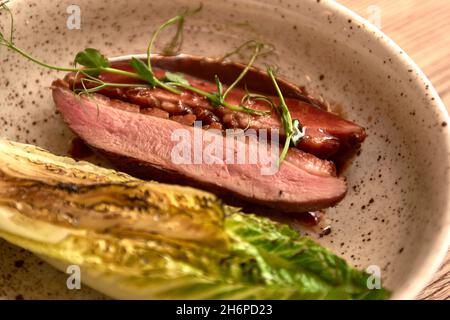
422 29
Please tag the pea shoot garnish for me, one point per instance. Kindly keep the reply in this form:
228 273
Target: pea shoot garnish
292 128
90 63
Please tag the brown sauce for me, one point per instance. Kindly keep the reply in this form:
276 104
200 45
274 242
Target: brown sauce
79 150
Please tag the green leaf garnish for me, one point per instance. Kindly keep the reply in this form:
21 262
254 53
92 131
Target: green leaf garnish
146 74
91 58
219 88
175 77
142 70
217 98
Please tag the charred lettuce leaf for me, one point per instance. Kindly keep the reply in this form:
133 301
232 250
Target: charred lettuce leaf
144 240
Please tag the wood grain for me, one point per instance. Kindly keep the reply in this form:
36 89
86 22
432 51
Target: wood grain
421 28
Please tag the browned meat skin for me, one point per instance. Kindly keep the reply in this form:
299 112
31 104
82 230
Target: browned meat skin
327 135
317 141
141 144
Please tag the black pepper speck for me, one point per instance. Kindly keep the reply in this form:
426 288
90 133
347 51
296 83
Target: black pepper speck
19 263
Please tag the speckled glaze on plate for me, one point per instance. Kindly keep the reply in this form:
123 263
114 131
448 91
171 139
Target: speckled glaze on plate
396 214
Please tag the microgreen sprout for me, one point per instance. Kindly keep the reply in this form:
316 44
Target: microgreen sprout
293 130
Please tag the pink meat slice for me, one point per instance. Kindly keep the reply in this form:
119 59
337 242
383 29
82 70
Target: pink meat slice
328 136
302 183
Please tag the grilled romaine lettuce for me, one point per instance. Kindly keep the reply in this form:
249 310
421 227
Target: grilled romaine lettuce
144 240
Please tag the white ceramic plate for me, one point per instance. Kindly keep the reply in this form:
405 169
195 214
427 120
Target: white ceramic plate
396 214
